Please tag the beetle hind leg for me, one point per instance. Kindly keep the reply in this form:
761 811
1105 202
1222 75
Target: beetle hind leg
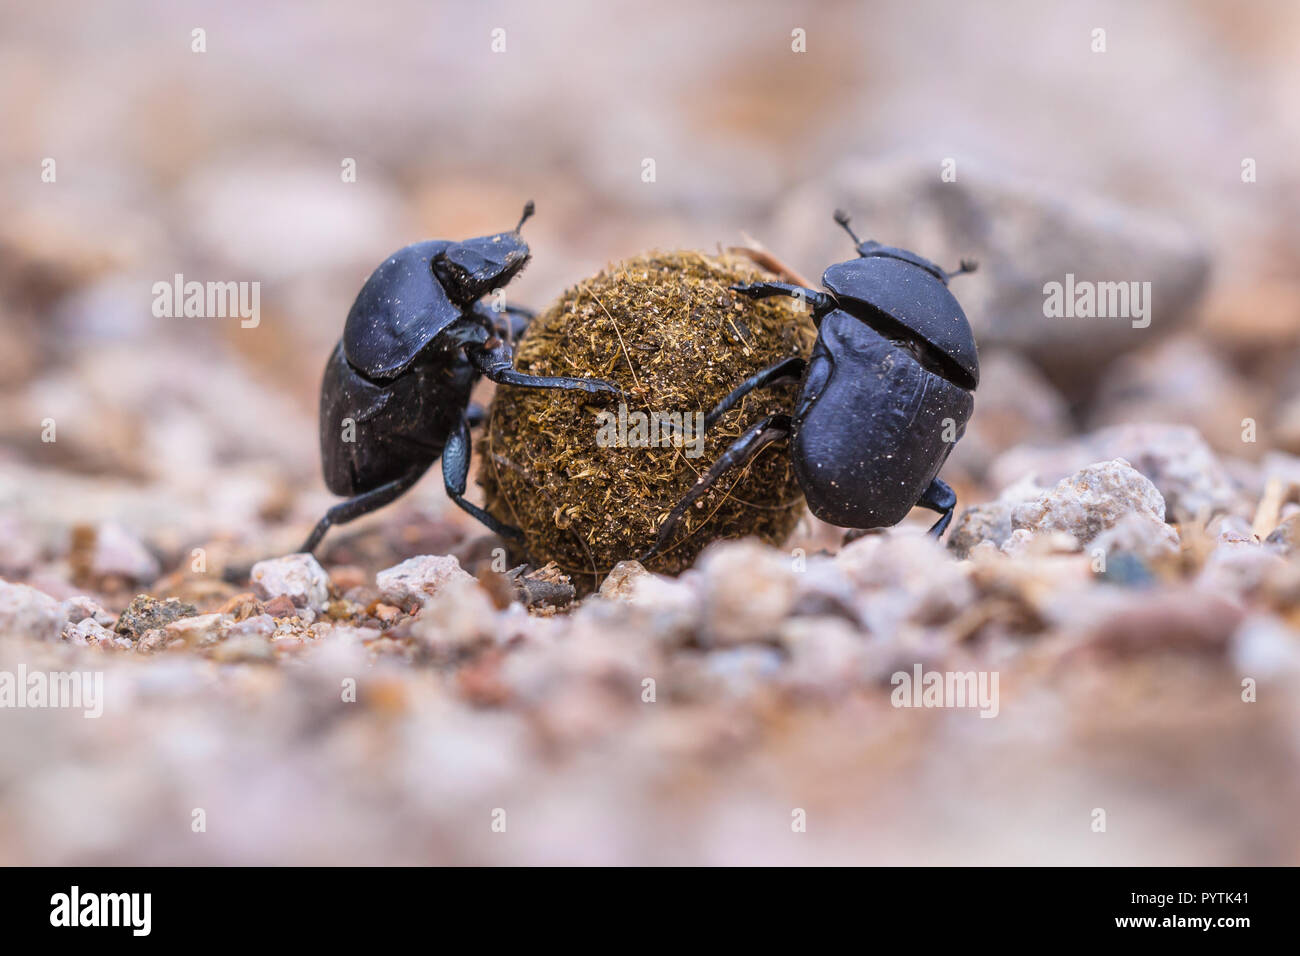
785 372
741 452
362 504
938 496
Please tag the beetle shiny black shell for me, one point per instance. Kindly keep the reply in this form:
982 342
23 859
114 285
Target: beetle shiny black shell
398 312
908 300
869 427
887 392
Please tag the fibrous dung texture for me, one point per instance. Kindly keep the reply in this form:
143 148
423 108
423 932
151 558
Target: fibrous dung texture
589 490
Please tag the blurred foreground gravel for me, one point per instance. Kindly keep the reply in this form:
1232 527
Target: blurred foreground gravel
344 717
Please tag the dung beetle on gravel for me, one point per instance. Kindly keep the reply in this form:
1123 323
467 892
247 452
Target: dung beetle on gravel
882 400
396 392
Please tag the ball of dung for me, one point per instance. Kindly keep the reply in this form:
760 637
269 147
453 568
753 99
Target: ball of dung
588 479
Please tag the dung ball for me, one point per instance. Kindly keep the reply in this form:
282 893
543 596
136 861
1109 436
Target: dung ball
589 480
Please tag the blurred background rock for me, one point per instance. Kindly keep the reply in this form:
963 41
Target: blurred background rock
225 165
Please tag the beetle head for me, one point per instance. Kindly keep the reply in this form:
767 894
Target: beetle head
872 248
471 269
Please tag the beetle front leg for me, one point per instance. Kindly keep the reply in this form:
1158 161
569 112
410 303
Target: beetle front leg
497 365
938 496
821 302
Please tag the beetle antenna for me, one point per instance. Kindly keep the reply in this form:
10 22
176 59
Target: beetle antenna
967 265
529 208
842 218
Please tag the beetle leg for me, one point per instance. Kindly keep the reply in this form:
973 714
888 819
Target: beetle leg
741 452
475 415
362 504
497 364
785 372
939 497
455 475
821 302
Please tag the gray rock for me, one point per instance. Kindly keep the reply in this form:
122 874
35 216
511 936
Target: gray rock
827 655
1024 237
79 608
89 632
1094 500
27 612
260 626
1286 535
1239 568
742 670
299 577
990 521
903 576
1139 535
620 584
824 589
673 608
457 618
748 590
199 630
146 613
119 553
418 578
1188 475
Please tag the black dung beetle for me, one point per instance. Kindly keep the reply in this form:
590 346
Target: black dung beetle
883 399
396 391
